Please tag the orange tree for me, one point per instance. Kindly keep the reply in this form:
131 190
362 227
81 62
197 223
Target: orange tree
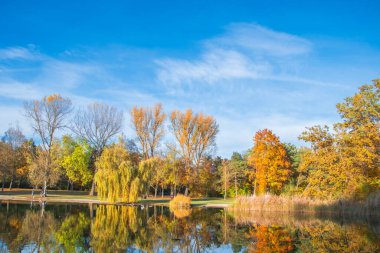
270 162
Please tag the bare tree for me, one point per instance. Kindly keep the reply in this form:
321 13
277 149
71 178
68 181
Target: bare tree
48 115
149 126
195 134
97 124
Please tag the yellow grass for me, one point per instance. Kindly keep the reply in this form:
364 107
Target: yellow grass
267 203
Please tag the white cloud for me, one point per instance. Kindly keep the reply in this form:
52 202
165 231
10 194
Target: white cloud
245 51
18 90
12 53
214 65
261 40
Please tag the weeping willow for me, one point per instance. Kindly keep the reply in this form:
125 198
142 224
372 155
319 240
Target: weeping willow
115 228
116 177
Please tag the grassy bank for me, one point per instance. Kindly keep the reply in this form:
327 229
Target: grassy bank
83 197
206 202
53 196
271 203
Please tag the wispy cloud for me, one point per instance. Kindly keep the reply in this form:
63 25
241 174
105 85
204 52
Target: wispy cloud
261 40
214 65
249 77
12 53
18 90
41 74
244 51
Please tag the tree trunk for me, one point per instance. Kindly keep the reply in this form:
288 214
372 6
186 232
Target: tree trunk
254 190
72 186
175 190
155 191
225 189
235 186
92 192
10 185
187 191
44 192
91 210
2 189
162 192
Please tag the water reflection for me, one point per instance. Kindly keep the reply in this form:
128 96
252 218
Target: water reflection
84 228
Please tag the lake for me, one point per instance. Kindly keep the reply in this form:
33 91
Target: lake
26 227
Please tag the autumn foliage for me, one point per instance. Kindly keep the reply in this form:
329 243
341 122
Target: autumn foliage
339 161
270 162
116 176
344 162
180 201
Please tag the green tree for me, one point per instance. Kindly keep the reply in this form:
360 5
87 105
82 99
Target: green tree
238 167
73 231
76 161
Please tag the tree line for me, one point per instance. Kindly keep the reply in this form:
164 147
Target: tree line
338 162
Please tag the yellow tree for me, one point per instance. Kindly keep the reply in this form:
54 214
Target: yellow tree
269 158
195 134
116 176
5 161
149 126
346 161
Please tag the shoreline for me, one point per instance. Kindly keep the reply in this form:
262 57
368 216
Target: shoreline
101 202
52 199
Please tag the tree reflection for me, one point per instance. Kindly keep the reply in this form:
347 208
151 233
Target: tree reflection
73 235
37 231
72 228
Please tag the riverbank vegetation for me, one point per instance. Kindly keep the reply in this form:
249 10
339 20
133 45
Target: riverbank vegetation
175 152
295 204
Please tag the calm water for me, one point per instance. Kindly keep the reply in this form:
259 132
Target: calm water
85 228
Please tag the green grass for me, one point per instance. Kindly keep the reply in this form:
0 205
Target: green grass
83 195
194 202
52 194
157 201
211 201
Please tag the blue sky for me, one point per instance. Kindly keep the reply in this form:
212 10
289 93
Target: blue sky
281 65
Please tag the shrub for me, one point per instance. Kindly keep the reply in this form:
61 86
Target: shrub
180 201
181 212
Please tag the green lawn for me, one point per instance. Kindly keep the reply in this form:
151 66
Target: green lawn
83 195
211 201
194 202
52 194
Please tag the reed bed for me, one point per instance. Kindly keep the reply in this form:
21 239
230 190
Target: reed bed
272 203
